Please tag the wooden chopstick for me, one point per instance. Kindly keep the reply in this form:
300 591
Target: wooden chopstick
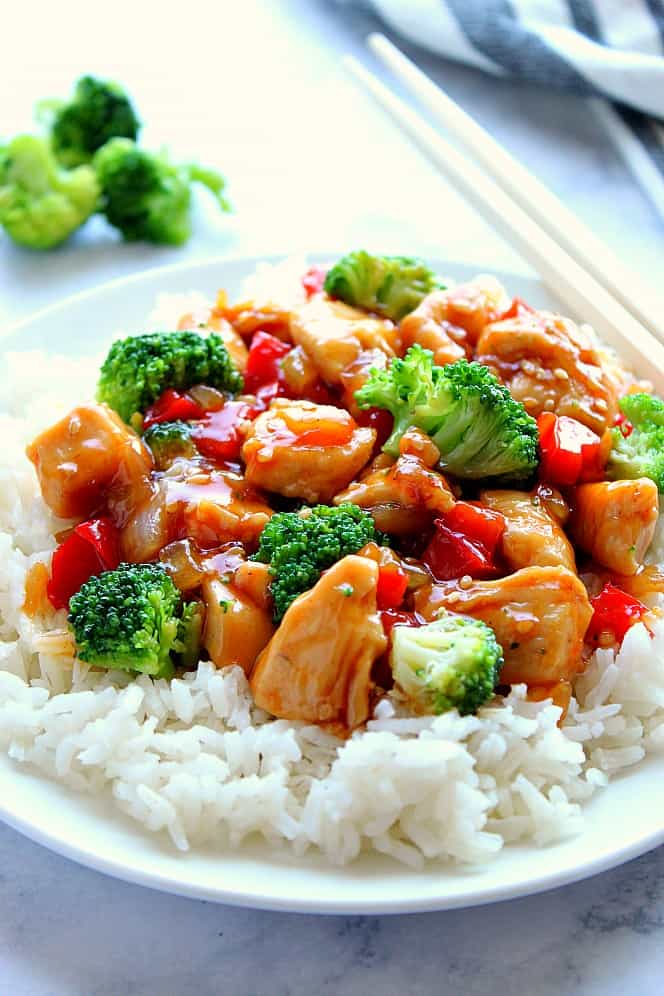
575 287
529 193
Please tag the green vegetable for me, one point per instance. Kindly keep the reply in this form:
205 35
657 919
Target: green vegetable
389 285
98 111
148 197
641 453
133 619
168 441
299 546
452 663
480 430
41 204
140 368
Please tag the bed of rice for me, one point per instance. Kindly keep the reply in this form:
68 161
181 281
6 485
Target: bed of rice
194 759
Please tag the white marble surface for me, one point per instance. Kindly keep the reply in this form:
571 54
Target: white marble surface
256 88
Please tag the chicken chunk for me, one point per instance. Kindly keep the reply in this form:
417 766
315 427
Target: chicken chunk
209 507
450 322
303 450
532 537
236 628
539 615
614 521
549 364
317 667
334 334
88 457
403 498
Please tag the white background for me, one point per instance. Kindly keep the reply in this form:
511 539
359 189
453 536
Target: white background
256 89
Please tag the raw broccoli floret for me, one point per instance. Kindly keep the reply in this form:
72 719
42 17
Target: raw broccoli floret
168 441
140 368
299 546
389 285
98 111
40 203
452 663
641 452
132 619
480 430
146 196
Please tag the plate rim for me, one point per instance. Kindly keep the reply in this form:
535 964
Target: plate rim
487 895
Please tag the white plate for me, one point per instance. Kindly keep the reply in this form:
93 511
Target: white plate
622 822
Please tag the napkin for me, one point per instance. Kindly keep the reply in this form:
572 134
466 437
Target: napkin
592 48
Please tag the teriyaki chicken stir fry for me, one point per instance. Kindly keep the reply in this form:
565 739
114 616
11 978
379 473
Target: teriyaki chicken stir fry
392 485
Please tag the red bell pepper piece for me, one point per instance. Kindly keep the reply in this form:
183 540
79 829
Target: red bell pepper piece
452 555
92 547
392 585
483 526
263 364
380 420
218 434
625 426
517 309
614 611
313 280
393 617
171 406
571 452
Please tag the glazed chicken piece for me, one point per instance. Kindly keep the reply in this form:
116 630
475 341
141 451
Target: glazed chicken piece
303 450
404 497
233 342
88 457
334 334
210 507
539 615
532 537
614 521
450 322
357 373
236 628
317 667
549 364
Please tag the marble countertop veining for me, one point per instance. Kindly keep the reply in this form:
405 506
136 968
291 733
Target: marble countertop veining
258 89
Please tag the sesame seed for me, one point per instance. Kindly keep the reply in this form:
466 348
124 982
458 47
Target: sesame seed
560 374
465 582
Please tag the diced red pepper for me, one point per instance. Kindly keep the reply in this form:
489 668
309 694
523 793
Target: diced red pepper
380 420
171 406
265 354
393 617
218 434
614 611
483 526
571 452
621 422
92 547
392 585
451 555
517 309
313 280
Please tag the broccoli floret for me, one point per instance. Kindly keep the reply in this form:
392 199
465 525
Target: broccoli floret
299 546
389 285
641 453
480 430
41 204
146 196
132 619
140 368
452 663
168 441
98 111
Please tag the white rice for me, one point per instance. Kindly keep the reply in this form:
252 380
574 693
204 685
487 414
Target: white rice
193 758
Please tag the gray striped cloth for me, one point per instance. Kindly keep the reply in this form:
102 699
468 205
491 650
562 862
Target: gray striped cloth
602 48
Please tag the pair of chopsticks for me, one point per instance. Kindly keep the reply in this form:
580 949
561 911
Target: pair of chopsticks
576 266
